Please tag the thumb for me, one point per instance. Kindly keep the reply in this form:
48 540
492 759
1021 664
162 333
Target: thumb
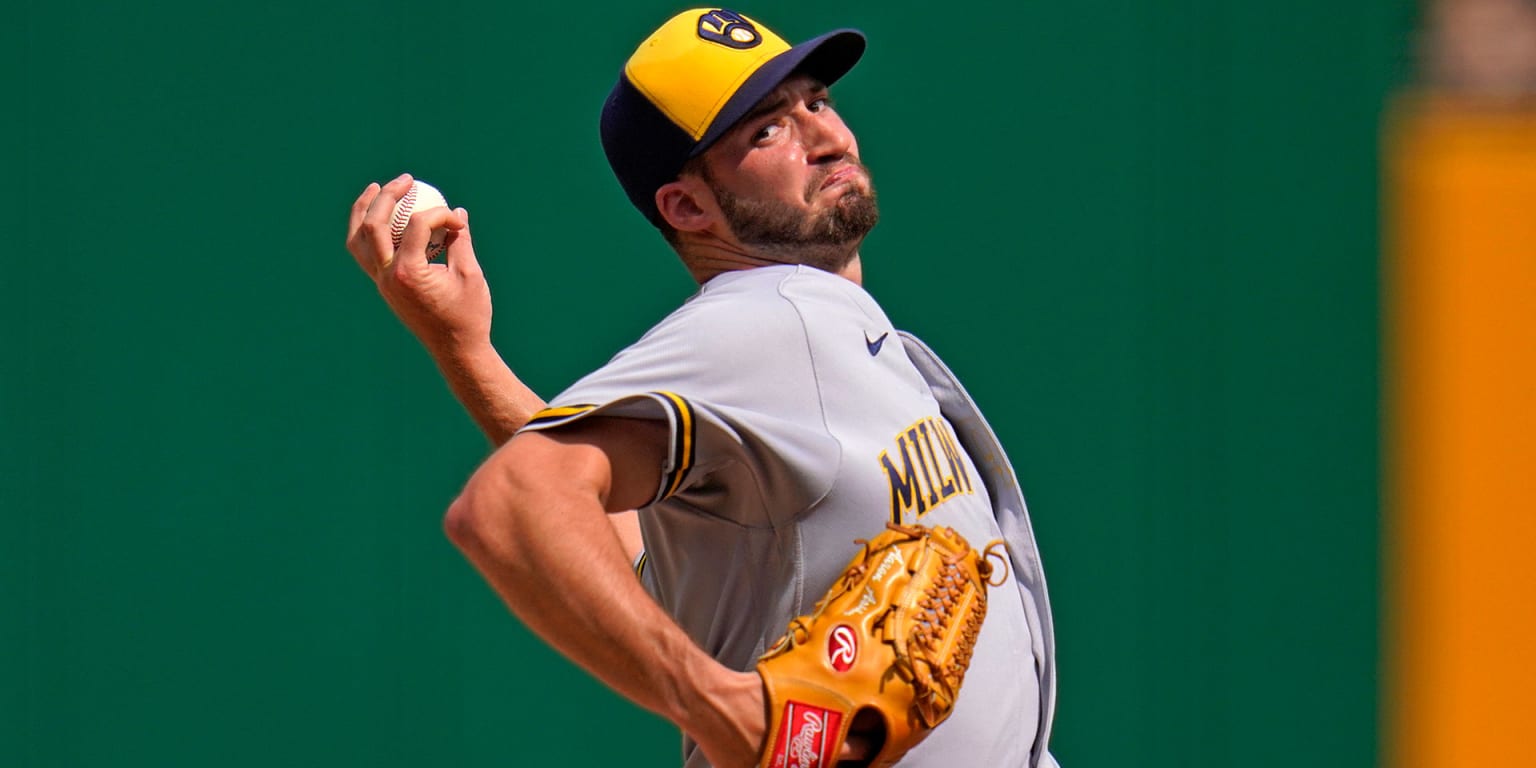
412 255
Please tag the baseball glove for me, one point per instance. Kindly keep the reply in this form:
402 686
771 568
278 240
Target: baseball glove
888 644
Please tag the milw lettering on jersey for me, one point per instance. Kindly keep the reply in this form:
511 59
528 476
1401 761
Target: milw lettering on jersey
925 470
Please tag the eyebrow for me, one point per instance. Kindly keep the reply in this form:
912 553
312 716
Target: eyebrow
781 96
772 104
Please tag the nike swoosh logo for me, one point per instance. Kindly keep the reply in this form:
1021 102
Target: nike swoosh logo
874 346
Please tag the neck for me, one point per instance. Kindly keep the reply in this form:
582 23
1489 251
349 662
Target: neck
710 257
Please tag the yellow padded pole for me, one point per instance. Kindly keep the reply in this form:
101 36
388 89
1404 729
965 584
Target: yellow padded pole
1460 288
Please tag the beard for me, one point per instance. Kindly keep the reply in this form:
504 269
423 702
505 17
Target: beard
827 239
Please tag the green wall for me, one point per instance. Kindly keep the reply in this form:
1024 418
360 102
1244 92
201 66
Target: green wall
1144 233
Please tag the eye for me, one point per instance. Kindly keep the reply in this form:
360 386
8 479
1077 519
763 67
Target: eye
820 103
766 133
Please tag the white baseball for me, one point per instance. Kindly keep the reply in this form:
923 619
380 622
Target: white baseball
419 197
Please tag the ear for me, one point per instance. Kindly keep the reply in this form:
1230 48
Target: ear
687 204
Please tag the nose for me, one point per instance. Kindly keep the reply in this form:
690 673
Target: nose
825 136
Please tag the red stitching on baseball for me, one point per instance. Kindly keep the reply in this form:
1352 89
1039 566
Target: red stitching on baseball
402 215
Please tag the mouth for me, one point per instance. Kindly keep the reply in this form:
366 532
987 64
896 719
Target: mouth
842 175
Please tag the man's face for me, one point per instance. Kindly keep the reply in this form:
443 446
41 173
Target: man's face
788 179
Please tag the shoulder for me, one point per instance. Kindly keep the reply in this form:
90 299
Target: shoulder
739 329
742 320
746 302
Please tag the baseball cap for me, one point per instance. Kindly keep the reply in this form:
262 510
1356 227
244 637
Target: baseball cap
691 81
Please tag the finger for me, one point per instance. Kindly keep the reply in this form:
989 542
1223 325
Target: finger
856 748
359 249
461 249
441 217
373 234
382 203
866 735
412 253
360 207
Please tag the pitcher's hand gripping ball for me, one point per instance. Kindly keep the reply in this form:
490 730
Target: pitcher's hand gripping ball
419 197
893 637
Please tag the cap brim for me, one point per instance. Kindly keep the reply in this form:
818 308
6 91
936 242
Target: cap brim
825 58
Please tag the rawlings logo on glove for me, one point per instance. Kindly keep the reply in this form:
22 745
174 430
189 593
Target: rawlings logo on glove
893 637
842 647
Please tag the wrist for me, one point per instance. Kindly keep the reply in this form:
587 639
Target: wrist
724 706
462 351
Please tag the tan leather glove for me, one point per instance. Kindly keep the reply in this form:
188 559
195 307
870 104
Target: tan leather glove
890 641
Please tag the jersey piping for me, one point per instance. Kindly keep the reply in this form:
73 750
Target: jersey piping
683 437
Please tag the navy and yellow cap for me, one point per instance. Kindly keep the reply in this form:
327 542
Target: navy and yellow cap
695 78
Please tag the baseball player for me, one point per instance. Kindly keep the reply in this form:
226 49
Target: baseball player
760 429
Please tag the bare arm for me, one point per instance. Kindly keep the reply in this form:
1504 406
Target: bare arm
448 308
498 401
532 520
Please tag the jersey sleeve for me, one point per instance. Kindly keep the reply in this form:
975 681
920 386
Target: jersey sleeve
733 380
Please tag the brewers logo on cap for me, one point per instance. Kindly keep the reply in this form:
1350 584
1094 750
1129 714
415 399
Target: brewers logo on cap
728 28
692 80
690 68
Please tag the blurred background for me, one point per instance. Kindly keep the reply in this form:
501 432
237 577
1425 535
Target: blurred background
1245 288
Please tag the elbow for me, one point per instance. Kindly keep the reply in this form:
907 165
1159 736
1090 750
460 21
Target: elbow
459 522
494 518
489 519
475 521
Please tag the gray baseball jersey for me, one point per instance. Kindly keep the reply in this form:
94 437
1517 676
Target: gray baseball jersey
800 420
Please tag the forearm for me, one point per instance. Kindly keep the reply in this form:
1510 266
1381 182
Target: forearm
552 557
498 401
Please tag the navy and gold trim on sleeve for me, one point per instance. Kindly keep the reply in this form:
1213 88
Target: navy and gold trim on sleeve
683 423
640 564
684 440
550 417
